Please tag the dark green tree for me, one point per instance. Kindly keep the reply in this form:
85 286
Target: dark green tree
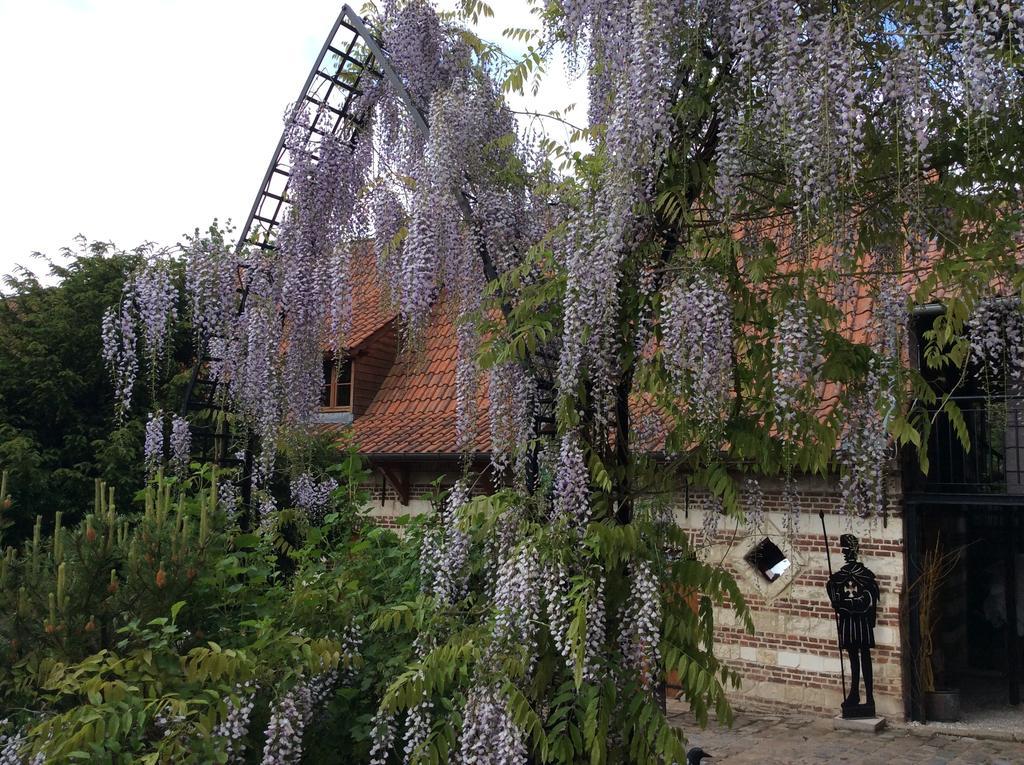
57 426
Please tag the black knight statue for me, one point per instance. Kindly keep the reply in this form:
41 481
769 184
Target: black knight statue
853 591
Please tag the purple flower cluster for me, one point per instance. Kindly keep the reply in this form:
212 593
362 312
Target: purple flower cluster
555 583
154 298
639 65
467 377
389 221
696 333
713 512
290 716
512 395
517 602
753 504
146 312
443 557
265 512
13 748
234 726
414 40
120 352
981 30
594 649
559 591
791 504
489 735
995 331
640 633
314 254
211 284
312 496
417 728
862 449
572 483
181 445
382 737
227 498
153 447
794 354
254 352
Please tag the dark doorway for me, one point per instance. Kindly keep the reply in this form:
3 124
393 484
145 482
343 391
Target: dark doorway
977 639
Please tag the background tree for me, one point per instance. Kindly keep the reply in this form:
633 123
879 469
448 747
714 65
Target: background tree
58 430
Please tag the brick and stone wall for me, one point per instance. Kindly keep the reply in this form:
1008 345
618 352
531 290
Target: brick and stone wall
791 660
386 506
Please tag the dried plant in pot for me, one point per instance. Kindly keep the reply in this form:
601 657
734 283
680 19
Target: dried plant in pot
940 704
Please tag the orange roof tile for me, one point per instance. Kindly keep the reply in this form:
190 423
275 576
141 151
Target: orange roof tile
370 309
413 413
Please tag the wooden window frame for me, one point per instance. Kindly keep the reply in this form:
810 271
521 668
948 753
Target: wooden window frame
333 385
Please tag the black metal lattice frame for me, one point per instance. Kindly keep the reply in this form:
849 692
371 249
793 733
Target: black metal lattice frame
329 91
353 50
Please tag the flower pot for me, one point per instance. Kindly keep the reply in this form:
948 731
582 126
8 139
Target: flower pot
942 706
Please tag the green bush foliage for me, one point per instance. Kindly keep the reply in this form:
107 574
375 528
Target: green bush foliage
128 637
58 432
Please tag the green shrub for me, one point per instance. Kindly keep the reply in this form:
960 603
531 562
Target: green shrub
130 638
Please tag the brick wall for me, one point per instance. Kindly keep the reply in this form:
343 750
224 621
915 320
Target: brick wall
791 660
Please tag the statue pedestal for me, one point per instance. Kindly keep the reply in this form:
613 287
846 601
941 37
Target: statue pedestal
859 724
858 711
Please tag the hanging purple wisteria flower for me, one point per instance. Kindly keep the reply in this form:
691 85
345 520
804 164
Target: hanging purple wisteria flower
449 573
234 727
572 483
512 396
794 353
696 327
517 603
313 497
791 508
382 737
154 454
995 331
713 512
155 298
862 450
753 504
181 445
120 352
489 735
291 715
417 728
212 285
640 633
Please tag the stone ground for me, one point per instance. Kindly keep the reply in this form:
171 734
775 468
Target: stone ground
765 740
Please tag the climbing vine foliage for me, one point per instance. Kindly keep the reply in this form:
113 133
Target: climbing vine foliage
729 252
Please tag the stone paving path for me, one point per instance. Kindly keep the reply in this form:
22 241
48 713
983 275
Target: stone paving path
764 740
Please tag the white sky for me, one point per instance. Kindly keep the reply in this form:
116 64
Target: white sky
139 120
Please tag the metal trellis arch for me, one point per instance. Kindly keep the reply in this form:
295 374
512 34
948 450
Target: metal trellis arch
349 54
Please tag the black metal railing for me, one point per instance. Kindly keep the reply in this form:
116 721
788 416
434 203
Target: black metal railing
992 462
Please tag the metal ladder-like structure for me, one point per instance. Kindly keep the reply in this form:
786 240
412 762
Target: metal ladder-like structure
350 54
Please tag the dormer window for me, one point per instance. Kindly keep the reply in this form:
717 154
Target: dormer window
337 390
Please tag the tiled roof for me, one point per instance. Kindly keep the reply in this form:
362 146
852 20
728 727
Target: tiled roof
413 413
370 310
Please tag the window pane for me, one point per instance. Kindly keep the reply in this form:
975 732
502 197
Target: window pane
325 395
345 372
344 395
